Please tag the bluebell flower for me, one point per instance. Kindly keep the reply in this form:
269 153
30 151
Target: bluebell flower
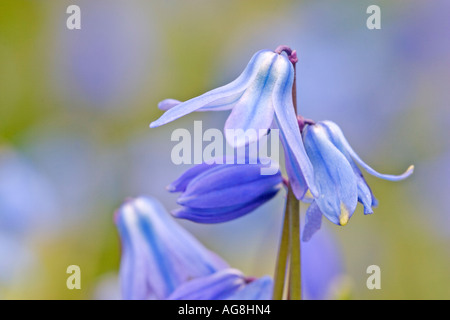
158 255
339 180
221 192
228 284
260 98
161 260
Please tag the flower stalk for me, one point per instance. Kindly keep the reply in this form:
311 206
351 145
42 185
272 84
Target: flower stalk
290 238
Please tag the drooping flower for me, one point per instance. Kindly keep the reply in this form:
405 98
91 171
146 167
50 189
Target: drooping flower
260 95
222 192
161 260
339 180
157 254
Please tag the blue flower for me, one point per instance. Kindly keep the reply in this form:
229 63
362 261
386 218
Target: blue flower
228 284
161 260
340 182
222 192
260 95
157 254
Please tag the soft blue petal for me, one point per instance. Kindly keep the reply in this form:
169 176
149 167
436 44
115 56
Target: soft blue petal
254 110
296 179
181 183
168 104
313 221
259 289
223 214
336 131
365 195
217 286
157 254
333 174
287 122
221 95
228 185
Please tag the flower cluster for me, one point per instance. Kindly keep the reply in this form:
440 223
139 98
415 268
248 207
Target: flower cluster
161 260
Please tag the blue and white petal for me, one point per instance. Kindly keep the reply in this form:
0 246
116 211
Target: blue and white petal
225 95
254 110
338 194
286 120
313 221
157 254
339 137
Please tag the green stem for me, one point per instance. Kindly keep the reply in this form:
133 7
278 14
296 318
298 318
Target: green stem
283 251
295 263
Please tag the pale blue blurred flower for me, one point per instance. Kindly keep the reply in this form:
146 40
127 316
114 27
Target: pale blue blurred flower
28 201
340 182
17 260
107 61
160 258
322 266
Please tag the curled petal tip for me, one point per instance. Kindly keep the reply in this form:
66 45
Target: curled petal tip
170 188
168 104
410 169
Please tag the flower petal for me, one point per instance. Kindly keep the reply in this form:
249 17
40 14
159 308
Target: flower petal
336 131
181 183
313 221
259 289
217 286
254 110
228 185
296 179
231 91
157 254
168 104
223 214
333 174
287 122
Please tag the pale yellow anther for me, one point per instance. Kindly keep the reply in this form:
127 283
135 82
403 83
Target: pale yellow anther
308 195
343 218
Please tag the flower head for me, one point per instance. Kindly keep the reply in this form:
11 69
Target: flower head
340 182
222 192
157 254
259 98
161 260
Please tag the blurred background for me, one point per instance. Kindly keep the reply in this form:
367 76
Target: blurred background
75 106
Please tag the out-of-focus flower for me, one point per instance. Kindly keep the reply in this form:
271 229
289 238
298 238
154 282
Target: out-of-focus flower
322 267
340 182
161 260
225 284
17 260
222 192
157 254
262 93
27 200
